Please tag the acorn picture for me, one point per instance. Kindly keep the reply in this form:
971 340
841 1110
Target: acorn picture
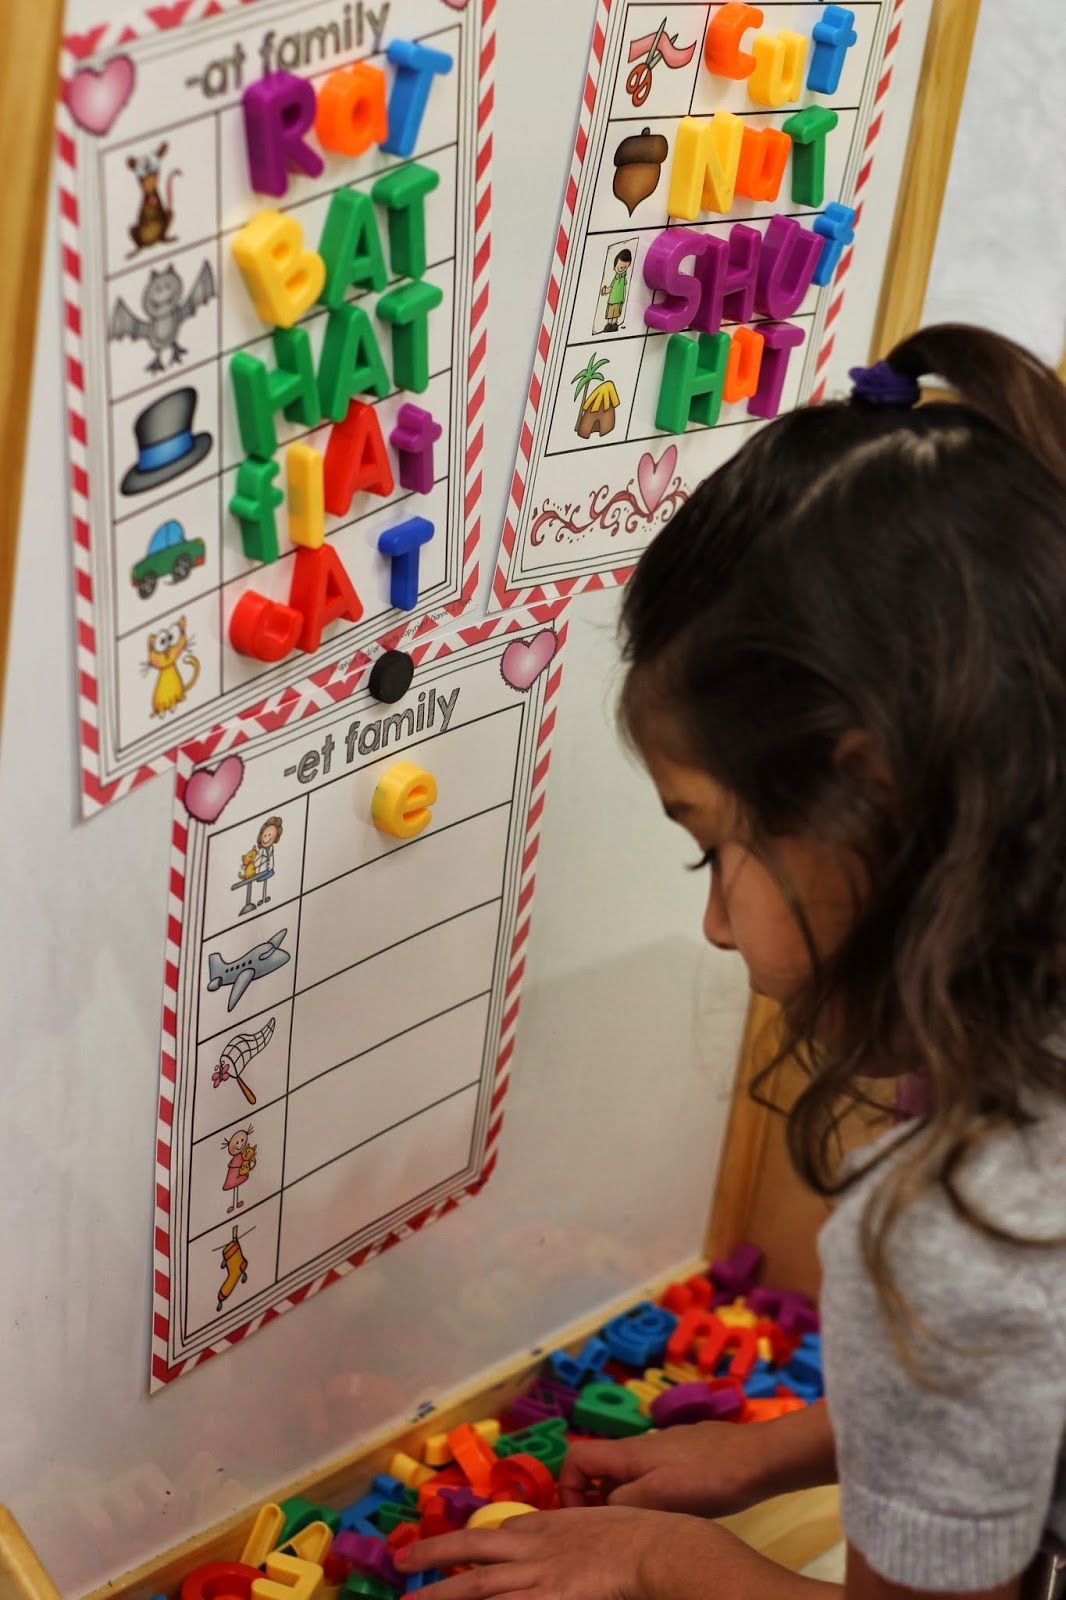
638 166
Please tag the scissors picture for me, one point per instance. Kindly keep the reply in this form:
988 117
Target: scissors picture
647 53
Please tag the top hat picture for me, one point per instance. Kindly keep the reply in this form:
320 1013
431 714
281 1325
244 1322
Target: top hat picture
166 444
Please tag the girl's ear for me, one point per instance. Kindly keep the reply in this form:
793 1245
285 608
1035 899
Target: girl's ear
861 759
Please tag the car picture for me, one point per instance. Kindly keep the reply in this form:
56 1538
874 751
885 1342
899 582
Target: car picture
169 553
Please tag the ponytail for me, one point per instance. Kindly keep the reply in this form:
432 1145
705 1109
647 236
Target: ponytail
998 378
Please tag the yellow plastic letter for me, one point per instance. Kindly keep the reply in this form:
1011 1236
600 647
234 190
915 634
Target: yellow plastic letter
492 1515
282 278
288 1578
706 158
266 1531
401 806
779 62
307 496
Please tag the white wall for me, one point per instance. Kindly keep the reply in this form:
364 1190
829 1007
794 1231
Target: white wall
1001 253
629 1029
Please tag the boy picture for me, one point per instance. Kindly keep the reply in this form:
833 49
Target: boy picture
615 288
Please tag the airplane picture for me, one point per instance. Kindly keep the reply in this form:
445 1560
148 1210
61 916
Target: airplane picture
259 962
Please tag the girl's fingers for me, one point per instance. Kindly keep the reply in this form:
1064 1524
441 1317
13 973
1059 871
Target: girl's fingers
483 1583
587 1461
460 1548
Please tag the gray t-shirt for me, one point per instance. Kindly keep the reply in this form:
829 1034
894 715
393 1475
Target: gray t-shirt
958 1488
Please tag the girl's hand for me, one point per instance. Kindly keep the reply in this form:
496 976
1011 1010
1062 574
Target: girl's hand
709 1469
605 1553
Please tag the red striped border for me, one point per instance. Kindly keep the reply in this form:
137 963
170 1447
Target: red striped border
316 698
537 594
81 47
868 152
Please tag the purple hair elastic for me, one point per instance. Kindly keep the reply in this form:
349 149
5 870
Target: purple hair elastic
882 385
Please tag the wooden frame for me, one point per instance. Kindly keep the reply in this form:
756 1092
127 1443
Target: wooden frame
762 1199
27 104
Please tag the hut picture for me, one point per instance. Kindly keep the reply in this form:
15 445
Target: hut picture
597 399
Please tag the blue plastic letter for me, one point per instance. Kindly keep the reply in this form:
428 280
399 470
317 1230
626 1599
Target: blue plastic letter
833 37
402 544
835 227
416 67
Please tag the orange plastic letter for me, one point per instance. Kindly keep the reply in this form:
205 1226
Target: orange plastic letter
721 50
764 154
353 109
741 382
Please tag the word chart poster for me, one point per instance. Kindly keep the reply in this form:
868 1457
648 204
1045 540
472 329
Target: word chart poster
705 241
350 903
274 231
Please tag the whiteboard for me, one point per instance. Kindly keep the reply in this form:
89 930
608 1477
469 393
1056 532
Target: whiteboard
620 994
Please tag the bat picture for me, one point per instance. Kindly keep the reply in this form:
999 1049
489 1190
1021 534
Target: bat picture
165 310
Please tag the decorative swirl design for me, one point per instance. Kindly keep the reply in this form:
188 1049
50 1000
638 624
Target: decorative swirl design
618 513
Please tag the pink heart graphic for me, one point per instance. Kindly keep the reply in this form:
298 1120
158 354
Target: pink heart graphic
654 476
209 791
522 663
94 99
457 5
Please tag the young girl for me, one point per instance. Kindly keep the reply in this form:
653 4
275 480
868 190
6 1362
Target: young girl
847 679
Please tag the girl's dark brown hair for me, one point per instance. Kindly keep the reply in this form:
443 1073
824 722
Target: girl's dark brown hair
903 573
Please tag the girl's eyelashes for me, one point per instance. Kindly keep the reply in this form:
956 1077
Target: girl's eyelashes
709 858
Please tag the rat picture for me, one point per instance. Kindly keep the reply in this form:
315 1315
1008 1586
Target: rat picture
155 216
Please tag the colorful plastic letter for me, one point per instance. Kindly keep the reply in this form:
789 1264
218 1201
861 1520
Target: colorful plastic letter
525 1479
779 341
264 629
722 54
403 194
350 363
321 591
350 246
834 227
742 368
572 1371
407 310
764 154
416 67
501 1511
282 278
307 512
278 110
220 1580
729 276
779 61
352 109
609 1409
356 459
833 37
663 272
706 157
786 267
258 393
254 504
401 806
472 1453
265 1535
413 438
288 1578
639 1336
808 129
693 375
402 544
311 1543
